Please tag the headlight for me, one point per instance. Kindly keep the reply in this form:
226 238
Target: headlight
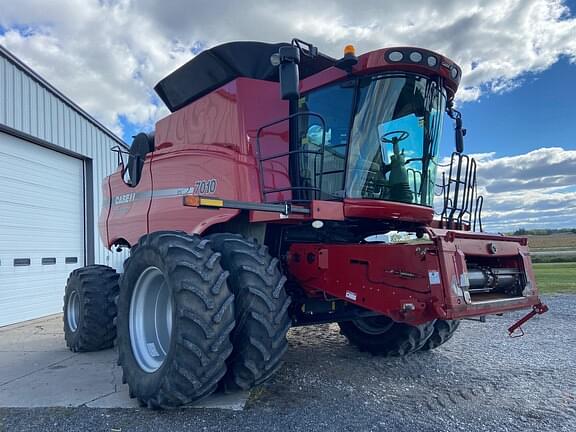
454 72
395 56
415 56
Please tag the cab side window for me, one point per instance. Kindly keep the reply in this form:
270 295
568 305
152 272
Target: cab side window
334 104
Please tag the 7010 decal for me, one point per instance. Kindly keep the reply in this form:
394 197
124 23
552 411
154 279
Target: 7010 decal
205 187
201 187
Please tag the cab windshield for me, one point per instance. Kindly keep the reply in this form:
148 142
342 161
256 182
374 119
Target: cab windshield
380 134
394 139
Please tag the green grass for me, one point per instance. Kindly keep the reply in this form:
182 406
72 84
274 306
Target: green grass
556 277
548 259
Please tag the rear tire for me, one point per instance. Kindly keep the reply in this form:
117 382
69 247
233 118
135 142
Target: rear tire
382 336
90 308
261 306
443 332
175 315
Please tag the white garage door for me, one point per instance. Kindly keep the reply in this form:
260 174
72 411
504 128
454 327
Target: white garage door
41 228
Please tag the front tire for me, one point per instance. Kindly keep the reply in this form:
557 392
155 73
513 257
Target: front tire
443 332
262 319
175 315
382 336
90 308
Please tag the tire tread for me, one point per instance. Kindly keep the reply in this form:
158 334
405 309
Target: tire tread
261 304
97 288
204 320
400 340
443 332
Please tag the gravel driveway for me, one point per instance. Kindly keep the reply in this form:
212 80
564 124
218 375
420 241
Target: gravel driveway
481 380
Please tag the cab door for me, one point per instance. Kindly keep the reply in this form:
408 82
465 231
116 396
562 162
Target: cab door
332 109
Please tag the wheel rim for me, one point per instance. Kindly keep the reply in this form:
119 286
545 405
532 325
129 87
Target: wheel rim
374 325
151 319
73 311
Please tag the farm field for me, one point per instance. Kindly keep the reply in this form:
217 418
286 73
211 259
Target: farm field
560 241
556 277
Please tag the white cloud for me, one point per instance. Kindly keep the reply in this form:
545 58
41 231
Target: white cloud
96 54
536 189
107 55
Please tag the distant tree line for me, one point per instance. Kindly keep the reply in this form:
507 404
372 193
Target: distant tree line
548 259
543 231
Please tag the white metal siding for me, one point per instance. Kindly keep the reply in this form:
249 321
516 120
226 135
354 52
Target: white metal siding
41 218
31 106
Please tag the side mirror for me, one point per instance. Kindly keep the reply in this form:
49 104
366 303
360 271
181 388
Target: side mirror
287 60
459 134
119 156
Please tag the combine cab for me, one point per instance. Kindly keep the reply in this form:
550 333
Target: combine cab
254 207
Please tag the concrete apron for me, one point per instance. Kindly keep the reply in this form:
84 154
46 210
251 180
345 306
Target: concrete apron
37 370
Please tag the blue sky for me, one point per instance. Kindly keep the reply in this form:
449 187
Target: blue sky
541 112
518 57
130 129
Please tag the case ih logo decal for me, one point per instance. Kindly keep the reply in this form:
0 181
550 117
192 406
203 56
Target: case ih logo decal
201 187
125 198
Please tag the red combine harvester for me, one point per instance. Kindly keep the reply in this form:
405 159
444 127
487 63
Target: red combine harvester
247 212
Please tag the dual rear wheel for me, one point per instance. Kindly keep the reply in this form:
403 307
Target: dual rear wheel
90 308
175 315
197 313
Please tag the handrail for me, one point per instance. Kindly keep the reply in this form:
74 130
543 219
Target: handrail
462 204
317 177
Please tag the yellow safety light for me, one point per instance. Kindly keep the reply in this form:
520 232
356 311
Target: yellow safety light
211 202
349 50
197 201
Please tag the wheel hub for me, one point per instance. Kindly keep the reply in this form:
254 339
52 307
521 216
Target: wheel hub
150 319
374 325
73 311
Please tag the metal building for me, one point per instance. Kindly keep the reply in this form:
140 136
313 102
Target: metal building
53 158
